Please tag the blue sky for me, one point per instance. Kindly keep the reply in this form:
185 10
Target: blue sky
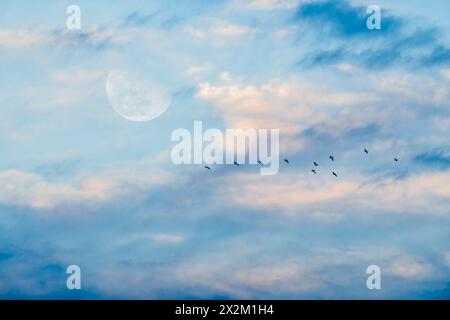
81 185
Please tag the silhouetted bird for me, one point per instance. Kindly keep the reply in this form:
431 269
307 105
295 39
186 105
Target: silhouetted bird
260 163
236 164
316 164
314 171
332 158
334 174
396 160
365 150
206 167
286 160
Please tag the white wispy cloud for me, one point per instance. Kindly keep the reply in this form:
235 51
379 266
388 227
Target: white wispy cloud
266 4
167 238
305 195
163 238
65 88
446 74
290 105
447 259
58 38
35 191
20 39
409 268
219 29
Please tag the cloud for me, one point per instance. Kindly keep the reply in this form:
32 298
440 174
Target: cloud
96 38
65 88
244 272
446 74
447 259
303 195
167 238
404 88
265 4
409 268
242 282
438 159
138 19
197 72
163 238
398 43
35 191
19 39
341 19
77 75
309 114
440 55
291 105
305 272
28 189
229 233
220 29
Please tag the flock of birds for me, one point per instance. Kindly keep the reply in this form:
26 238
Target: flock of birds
314 171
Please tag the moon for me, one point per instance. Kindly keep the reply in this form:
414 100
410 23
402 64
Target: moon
136 99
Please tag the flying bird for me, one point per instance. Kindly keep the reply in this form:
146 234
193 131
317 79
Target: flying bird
236 164
332 158
396 160
286 160
365 150
260 163
316 164
314 171
206 167
334 174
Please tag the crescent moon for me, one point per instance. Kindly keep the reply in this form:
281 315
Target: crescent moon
136 99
